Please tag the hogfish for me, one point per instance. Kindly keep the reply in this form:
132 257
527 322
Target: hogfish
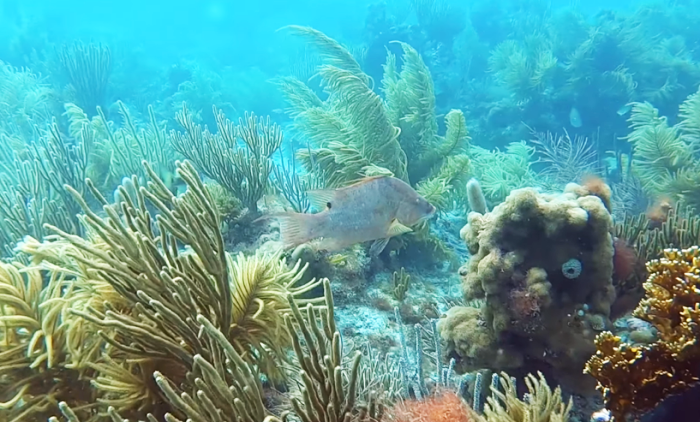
373 209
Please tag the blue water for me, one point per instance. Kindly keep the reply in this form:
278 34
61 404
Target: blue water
600 93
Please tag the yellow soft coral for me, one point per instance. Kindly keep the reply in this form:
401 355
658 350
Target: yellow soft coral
637 378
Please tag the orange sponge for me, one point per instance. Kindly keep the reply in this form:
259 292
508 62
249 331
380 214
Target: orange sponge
444 406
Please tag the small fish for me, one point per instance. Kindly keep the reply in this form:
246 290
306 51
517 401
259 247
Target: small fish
624 109
375 208
602 415
575 118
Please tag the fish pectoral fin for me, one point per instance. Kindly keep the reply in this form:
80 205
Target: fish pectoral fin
397 228
321 199
378 246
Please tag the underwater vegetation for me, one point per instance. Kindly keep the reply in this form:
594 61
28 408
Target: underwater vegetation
129 324
456 212
664 157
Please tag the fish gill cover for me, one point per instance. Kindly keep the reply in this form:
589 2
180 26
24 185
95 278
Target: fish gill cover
547 223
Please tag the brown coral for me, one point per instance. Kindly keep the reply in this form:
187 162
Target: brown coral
637 378
543 265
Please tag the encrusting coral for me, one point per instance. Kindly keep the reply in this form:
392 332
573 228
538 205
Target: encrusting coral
636 378
543 264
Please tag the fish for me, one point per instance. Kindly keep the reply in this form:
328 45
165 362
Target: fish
373 209
575 118
624 109
603 415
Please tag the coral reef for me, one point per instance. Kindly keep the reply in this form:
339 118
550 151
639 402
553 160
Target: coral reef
353 132
543 264
87 69
664 155
635 378
120 319
542 404
244 170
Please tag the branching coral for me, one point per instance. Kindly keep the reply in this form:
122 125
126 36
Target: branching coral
441 19
350 133
136 287
87 68
329 391
548 64
354 133
330 50
229 388
129 145
242 170
32 179
35 170
500 172
410 101
26 204
542 404
566 160
526 68
637 378
35 369
26 101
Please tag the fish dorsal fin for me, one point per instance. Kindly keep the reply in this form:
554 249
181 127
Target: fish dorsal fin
364 180
322 199
396 228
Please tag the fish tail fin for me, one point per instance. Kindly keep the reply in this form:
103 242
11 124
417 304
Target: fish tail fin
296 228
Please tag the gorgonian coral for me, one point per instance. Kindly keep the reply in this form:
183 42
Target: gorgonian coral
637 378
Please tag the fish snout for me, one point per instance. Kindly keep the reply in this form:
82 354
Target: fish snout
431 211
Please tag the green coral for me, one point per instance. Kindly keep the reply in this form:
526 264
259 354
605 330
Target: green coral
501 172
525 67
353 133
664 155
350 133
242 168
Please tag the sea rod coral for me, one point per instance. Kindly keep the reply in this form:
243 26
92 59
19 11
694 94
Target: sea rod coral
122 316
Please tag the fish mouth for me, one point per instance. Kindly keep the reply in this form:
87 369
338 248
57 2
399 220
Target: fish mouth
429 216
